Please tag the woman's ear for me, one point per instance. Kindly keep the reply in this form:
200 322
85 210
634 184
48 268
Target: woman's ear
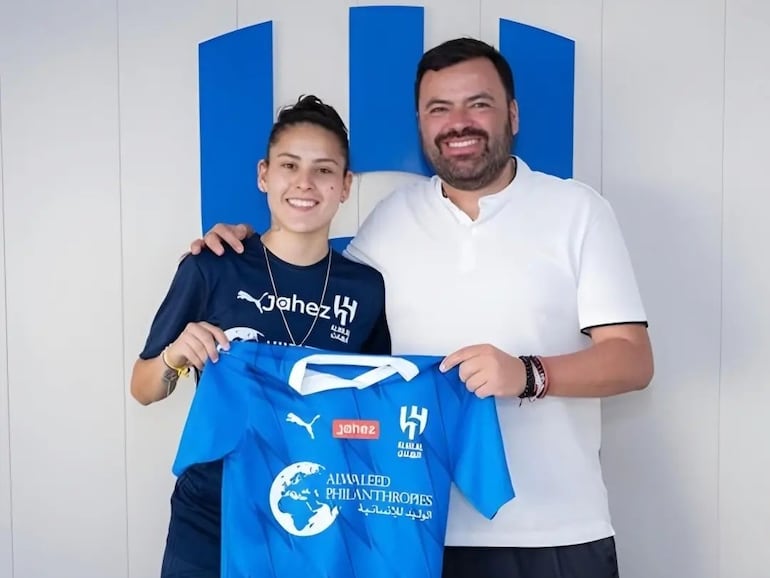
262 167
346 185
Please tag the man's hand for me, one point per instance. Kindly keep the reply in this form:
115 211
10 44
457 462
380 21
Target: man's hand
196 345
486 371
220 234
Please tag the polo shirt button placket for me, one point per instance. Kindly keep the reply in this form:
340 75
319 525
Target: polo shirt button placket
467 255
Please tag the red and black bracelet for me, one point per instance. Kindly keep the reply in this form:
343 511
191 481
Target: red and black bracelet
542 383
536 385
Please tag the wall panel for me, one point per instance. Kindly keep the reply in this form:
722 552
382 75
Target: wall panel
744 511
310 48
6 523
662 159
63 287
160 179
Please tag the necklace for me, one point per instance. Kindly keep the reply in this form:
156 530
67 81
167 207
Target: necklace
320 303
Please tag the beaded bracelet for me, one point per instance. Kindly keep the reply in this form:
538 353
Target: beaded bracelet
529 386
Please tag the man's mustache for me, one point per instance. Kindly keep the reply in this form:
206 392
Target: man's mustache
466 132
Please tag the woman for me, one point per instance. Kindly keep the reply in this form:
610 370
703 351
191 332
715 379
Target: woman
287 287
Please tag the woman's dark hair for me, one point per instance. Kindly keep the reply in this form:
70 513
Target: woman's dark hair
311 110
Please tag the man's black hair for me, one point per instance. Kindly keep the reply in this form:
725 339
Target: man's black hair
459 50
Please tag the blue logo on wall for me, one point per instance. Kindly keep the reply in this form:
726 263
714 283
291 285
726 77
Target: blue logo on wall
237 109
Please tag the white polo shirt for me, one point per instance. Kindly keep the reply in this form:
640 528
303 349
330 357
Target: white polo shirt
544 260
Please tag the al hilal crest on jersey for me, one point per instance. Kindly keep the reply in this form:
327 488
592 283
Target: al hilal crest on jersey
340 465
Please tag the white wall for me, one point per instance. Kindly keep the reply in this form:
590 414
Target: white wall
62 224
6 544
744 458
159 162
99 183
662 145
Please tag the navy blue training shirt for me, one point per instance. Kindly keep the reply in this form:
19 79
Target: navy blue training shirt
234 292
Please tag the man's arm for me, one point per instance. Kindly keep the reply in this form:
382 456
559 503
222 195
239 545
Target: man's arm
220 234
619 360
610 311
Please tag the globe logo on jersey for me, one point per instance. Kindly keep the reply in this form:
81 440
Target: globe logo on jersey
297 500
386 42
306 499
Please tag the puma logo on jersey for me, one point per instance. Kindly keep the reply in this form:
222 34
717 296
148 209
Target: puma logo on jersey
257 302
295 419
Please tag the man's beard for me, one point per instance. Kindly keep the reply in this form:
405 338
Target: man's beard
471 174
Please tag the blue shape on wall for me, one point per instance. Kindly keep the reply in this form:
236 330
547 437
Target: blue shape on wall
236 115
543 66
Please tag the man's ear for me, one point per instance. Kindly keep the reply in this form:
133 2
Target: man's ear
513 115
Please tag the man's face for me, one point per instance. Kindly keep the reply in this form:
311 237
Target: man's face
466 123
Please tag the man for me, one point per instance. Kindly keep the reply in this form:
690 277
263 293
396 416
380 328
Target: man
494 263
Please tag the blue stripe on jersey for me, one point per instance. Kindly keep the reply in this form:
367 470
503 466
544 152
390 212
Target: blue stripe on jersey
347 482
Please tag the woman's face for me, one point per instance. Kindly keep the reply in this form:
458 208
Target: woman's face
304 178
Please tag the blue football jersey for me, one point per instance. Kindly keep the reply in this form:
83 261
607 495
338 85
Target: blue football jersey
339 465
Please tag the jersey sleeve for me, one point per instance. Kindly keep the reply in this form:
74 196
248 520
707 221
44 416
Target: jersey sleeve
218 416
479 466
607 288
184 303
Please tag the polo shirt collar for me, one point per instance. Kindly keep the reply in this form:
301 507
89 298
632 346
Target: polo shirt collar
489 205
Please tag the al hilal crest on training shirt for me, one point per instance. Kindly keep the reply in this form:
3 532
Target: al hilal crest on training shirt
340 465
